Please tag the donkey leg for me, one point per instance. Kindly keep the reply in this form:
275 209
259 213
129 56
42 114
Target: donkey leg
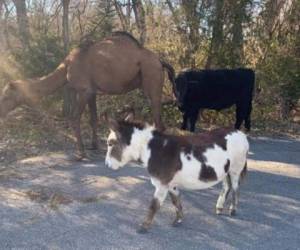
174 194
235 193
223 195
159 197
93 121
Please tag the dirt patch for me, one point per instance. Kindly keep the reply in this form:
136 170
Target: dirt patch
275 167
52 198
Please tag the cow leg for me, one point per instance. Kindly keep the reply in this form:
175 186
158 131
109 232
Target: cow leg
239 116
93 120
174 194
193 116
185 120
248 117
223 195
80 104
159 197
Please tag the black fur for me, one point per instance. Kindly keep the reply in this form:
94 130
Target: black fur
215 89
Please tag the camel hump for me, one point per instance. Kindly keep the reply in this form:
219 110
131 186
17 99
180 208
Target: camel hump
127 35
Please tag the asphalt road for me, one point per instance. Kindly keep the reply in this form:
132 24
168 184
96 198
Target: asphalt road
50 202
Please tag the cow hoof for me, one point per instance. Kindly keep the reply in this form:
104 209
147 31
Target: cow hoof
219 211
232 212
142 230
177 223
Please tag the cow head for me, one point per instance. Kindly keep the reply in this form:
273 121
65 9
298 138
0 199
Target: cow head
181 87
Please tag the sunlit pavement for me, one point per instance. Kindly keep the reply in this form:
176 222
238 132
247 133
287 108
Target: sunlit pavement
50 202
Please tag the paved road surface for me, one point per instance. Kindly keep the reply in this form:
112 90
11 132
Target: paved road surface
49 202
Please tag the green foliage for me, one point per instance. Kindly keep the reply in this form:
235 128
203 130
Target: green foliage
43 55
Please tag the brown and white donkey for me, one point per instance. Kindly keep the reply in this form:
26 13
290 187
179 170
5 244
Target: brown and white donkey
190 162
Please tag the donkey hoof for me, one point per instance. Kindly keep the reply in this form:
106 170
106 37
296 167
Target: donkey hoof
232 212
177 223
219 211
142 230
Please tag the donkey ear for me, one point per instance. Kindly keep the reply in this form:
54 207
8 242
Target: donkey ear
129 116
111 123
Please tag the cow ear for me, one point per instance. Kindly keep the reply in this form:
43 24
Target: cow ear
111 123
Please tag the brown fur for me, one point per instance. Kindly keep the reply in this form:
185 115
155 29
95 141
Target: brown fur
115 65
165 149
159 163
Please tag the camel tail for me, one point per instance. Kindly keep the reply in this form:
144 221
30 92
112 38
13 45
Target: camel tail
170 71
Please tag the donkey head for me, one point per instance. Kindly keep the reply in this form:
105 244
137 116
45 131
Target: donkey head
10 98
120 150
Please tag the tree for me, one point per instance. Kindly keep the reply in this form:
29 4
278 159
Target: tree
22 20
65 24
139 14
67 95
217 35
2 42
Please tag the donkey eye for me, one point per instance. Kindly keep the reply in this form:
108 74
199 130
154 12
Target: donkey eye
111 143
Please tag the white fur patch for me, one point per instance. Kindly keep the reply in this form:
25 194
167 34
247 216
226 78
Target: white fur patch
137 149
216 157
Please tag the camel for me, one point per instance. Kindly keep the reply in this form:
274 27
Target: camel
114 65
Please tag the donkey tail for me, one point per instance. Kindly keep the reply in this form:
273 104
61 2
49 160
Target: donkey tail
170 71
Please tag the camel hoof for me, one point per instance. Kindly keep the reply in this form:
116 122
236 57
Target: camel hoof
93 147
142 230
177 223
219 211
79 156
232 212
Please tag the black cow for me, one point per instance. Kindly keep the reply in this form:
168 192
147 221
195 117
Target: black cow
215 89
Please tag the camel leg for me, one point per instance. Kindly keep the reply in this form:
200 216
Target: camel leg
93 121
81 102
152 84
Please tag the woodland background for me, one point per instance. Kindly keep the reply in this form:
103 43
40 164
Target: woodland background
35 35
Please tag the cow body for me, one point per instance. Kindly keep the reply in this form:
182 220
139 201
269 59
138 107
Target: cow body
217 90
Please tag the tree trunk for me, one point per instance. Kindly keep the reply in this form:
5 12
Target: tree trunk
22 20
217 36
237 32
139 14
65 24
2 41
67 96
124 17
193 24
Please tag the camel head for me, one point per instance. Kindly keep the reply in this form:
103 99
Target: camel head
10 98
